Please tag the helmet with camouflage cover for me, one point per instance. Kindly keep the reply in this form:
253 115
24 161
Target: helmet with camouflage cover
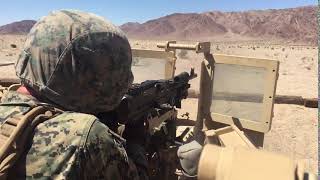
77 60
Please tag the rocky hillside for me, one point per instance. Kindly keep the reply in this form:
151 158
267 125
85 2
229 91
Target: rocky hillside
298 25
21 27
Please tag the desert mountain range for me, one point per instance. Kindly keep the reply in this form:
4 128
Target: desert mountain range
296 25
20 27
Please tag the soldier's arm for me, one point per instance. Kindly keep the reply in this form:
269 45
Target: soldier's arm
104 157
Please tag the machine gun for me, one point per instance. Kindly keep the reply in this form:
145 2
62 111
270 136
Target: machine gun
142 99
148 114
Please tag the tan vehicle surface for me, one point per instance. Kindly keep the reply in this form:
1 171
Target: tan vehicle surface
235 110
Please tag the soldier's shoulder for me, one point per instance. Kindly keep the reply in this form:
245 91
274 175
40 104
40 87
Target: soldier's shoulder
74 118
59 141
74 126
70 123
70 127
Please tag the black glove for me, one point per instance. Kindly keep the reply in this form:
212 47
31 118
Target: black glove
136 133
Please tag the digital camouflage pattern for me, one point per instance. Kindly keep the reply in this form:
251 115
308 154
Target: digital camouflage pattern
68 146
77 60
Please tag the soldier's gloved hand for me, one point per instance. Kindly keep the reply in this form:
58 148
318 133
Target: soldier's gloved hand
137 154
189 155
136 136
135 133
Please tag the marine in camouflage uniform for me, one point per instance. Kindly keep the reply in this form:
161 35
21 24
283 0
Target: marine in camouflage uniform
80 63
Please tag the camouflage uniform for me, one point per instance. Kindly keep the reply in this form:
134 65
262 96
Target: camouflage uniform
80 63
68 146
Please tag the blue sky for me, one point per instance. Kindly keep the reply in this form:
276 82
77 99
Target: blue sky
123 11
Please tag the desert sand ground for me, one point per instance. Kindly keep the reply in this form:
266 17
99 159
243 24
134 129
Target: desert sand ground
294 128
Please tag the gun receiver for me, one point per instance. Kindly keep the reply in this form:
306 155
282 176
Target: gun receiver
141 99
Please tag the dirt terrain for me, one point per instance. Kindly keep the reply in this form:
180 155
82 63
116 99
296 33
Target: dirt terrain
294 128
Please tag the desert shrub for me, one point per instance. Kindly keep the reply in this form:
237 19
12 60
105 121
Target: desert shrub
13 46
283 49
183 54
135 61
